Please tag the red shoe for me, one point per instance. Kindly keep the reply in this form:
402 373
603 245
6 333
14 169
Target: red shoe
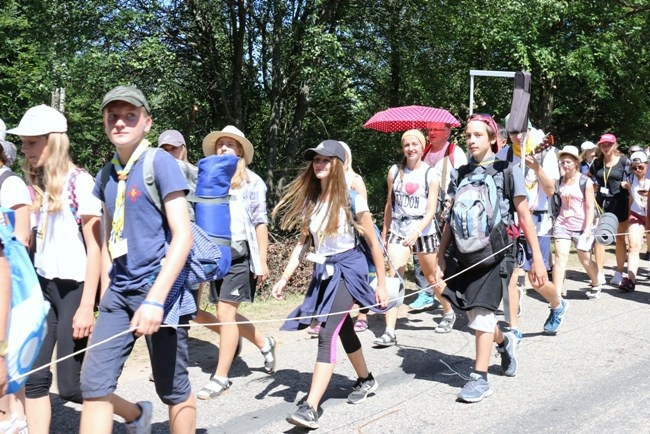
627 285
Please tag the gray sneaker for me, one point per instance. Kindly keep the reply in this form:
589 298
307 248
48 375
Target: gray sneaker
305 417
508 354
446 324
362 388
141 425
475 389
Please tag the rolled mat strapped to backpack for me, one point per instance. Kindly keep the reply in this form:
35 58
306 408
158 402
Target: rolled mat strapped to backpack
605 233
27 317
212 199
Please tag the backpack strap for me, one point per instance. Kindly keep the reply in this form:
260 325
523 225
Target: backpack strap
72 194
6 174
392 195
583 184
149 178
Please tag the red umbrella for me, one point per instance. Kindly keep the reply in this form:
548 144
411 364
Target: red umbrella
409 117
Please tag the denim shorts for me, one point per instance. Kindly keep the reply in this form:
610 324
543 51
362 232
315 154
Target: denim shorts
168 350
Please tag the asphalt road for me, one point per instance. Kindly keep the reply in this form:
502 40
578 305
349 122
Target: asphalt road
590 377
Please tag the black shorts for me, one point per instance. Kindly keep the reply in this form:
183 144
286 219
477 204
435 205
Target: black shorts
237 286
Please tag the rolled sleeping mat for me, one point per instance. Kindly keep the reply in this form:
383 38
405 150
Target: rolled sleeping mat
212 207
605 233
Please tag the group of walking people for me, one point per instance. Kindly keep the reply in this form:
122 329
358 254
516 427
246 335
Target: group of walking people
130 261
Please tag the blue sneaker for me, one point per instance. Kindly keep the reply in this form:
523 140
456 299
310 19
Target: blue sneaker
424 301
508 354
556 317
475 389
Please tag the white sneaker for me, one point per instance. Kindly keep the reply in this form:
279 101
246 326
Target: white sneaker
141 425
616 279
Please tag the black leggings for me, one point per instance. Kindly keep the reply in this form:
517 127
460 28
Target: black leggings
64 297
339 324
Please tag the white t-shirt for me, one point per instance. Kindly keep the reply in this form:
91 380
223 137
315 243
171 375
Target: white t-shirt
410 200
14 191
639 203
537 200
344 239
237 215
60 250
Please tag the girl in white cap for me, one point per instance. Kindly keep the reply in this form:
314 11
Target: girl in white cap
639 185
67 255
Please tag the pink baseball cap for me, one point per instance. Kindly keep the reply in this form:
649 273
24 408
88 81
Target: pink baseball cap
607 138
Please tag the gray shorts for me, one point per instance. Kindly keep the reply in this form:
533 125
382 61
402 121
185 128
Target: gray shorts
167 350
481 319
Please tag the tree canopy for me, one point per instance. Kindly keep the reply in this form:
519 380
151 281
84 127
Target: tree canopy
293 73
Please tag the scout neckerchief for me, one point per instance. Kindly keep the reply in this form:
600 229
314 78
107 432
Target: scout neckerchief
116 244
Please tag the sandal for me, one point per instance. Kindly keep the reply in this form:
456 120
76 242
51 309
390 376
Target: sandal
213 389
360 325
385 340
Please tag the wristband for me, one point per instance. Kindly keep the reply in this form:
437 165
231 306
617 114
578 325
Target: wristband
154 303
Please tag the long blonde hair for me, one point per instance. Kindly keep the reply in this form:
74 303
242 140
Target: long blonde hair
51 177
298 204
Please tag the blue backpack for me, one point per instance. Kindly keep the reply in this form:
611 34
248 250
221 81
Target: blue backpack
480 232
27 318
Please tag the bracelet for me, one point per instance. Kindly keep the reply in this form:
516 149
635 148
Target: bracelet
154 303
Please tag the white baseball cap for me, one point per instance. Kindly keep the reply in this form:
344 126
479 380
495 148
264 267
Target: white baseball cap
39 121
587 146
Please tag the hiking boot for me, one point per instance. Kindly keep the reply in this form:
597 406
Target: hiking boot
270 356
446 324
616 279
627 285
141 425
594 292
475 389
362 388
556 317
424 301
388 339
305 417
213 389
508 354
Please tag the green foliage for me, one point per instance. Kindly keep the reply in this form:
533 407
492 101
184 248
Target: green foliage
291 74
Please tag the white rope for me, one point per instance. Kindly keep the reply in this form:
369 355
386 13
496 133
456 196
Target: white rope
274 320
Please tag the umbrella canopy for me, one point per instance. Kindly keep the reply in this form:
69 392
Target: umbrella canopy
409 117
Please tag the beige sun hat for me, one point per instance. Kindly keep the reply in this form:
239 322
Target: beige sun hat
233 133
572 151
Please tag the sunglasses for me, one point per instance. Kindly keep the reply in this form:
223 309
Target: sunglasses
638 168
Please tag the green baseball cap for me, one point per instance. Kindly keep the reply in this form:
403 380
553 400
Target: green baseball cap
130 94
